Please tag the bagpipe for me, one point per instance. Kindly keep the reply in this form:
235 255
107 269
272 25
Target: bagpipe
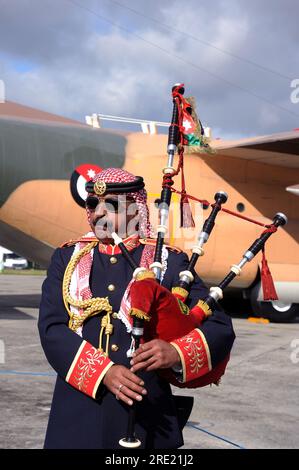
157 312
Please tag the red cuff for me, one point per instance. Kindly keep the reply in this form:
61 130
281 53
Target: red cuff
88 369
194 353
212 377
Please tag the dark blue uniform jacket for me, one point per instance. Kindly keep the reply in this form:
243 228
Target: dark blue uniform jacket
78 421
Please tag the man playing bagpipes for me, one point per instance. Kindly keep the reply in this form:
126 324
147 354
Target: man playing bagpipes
89 299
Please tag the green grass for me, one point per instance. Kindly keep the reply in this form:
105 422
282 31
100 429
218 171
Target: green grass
24 272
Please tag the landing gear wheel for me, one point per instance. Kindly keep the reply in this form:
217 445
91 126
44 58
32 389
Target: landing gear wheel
276 311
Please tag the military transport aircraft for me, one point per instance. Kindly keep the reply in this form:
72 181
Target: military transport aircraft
39 152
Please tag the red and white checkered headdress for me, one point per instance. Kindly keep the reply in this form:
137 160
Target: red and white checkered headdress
117 175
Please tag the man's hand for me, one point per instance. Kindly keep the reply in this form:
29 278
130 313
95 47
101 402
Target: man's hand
156 354
124 384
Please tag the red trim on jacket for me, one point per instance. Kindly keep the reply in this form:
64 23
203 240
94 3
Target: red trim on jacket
212 377
194 353
88 369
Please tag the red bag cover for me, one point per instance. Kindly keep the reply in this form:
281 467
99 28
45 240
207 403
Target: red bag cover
169 317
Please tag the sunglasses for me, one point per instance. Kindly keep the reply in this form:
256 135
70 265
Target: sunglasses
112 205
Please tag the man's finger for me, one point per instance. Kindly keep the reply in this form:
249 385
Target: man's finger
154 366
145 346
142 356
129 375
133 387
143 365
121 396
127 395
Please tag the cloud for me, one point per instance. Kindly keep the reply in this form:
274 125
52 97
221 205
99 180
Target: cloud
237 58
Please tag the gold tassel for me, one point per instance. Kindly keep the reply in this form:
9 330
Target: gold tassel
135 312
180 292
201 304
145 275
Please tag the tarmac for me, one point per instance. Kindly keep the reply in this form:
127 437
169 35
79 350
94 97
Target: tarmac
256 406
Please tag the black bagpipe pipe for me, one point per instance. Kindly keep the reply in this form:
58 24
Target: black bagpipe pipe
130 440
209 304
168 172
186 277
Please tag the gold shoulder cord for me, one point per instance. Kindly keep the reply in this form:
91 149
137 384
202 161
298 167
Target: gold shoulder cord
90 306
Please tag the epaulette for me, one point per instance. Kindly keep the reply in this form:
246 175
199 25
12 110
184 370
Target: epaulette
152 241
73 242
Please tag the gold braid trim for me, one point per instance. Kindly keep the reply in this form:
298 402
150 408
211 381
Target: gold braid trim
108 328
145 275
90 306
201 304
135 312
180 291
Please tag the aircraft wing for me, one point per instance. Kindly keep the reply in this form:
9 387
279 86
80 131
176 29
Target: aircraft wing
277 149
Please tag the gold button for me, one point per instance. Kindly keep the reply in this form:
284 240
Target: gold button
115 315
114 347
111 287
113 260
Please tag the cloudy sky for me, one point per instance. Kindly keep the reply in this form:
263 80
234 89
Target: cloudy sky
77 57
